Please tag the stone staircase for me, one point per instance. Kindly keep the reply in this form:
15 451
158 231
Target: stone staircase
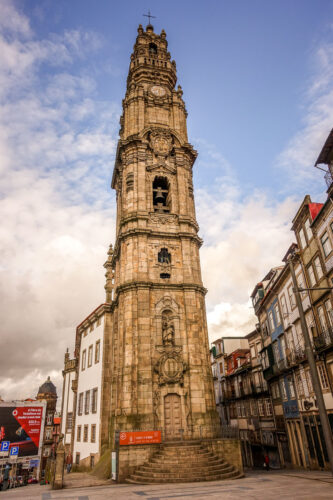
183 463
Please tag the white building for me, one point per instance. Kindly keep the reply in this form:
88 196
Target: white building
82 390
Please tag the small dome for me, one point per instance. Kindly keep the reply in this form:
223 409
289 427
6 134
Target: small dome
47 388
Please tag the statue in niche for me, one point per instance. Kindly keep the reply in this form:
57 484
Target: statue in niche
168 330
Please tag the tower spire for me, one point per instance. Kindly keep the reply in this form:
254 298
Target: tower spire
159 351
149 17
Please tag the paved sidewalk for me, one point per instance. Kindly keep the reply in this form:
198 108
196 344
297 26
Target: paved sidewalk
83 480
257 485
324 476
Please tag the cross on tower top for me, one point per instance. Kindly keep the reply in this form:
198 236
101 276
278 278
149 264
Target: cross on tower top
149 16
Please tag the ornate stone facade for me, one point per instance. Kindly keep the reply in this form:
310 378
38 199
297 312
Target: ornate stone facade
156 368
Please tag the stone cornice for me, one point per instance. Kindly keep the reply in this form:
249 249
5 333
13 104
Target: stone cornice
160 234
151 233
136 216
148 285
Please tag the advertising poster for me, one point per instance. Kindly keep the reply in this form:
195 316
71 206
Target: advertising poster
22 425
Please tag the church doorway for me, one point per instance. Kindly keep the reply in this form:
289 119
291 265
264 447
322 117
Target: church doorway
172 416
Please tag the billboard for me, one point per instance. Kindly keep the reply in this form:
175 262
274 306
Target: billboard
22 425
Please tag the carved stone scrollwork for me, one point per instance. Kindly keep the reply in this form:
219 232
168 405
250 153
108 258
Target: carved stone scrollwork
170 366
162 218
156 403
162 167
161 142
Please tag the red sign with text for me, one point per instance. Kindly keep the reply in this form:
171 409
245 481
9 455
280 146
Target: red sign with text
21 425
140 437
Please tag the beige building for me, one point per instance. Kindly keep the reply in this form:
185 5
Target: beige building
283 356
157 354
155 367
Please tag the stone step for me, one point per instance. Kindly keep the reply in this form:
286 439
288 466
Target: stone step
186 465
182 473
191 465
185 453
179 460
183 456
183 463
148 468
182 446
183 450
194 442
138 479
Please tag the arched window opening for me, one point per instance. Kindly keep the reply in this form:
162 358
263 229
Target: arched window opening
164 257
152 49
161 198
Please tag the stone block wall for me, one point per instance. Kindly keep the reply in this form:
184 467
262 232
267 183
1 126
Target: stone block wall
131 457
85 462
229 449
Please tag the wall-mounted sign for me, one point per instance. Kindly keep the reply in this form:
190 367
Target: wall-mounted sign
140 437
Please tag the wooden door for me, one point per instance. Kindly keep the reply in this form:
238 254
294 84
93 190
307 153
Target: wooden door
172 416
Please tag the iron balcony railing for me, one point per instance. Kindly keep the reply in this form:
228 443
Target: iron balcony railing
324 339
241 392
282 364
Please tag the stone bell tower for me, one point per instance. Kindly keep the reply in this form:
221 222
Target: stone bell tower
157 371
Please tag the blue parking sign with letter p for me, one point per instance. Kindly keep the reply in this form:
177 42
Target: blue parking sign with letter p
14 451
5 445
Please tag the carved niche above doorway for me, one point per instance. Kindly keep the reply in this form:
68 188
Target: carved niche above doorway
170 365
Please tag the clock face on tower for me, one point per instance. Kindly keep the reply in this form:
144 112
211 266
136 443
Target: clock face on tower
157 90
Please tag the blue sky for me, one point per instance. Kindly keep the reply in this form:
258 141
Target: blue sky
245 67
257 79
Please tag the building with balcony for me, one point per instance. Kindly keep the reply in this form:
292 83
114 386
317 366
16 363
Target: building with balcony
220 349
285 367
283 356
244 399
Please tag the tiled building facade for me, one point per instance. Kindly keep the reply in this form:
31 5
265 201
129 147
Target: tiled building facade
278 344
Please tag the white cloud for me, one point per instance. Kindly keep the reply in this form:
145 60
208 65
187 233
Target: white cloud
243 239
228 319
56 147
299 156
12 21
